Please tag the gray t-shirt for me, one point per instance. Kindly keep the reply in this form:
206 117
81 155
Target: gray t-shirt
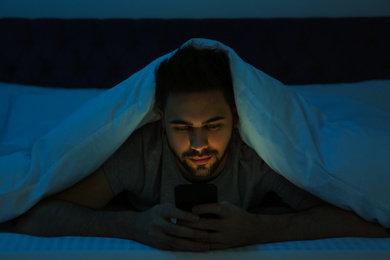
145 167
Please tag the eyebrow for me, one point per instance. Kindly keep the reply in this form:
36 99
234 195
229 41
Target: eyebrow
211 120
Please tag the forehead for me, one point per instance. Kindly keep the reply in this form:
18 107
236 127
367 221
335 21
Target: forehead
197 106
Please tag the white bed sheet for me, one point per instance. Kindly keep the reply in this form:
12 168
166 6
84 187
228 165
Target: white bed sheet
16 246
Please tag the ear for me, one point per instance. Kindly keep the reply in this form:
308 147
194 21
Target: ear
161 113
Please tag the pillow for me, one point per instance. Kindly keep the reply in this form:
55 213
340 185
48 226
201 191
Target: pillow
6 92
37 110
333 98
342 161
4 104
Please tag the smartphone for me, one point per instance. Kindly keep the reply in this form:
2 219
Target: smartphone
189 195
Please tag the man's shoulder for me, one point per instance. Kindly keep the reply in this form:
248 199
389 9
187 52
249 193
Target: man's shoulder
150 133
149 129
244 153
242 146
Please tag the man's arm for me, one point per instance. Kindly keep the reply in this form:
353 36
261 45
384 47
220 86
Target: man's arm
79 211
70 212
316 220
53 217
93 192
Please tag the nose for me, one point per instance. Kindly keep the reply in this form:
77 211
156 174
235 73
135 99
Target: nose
198 139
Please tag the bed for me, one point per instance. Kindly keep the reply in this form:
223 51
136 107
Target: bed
54 71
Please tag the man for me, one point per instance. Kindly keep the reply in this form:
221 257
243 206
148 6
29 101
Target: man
195 142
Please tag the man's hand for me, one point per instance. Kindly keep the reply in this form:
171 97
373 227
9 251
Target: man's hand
154 228
235 227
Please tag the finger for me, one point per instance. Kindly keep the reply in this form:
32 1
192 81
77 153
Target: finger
209 224
185 231
218 209
210 237
216 238
178 214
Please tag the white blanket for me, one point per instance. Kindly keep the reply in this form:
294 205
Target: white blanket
333 141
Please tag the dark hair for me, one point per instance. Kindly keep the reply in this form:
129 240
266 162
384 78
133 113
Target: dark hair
194 70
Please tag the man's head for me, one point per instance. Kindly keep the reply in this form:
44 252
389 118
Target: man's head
192 70
194 93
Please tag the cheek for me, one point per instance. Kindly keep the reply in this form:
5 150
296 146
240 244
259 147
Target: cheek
219 140
178 142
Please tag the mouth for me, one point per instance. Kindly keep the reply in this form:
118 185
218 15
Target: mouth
200 160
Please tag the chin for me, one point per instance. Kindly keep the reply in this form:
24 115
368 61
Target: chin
199 173
202 173
201 170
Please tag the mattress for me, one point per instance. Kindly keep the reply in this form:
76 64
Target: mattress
16 246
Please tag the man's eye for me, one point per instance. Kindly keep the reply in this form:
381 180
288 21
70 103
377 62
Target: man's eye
181 129
213 126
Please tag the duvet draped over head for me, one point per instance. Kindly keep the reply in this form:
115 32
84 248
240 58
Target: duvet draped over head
331 140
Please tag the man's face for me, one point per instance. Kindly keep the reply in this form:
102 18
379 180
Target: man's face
199 128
